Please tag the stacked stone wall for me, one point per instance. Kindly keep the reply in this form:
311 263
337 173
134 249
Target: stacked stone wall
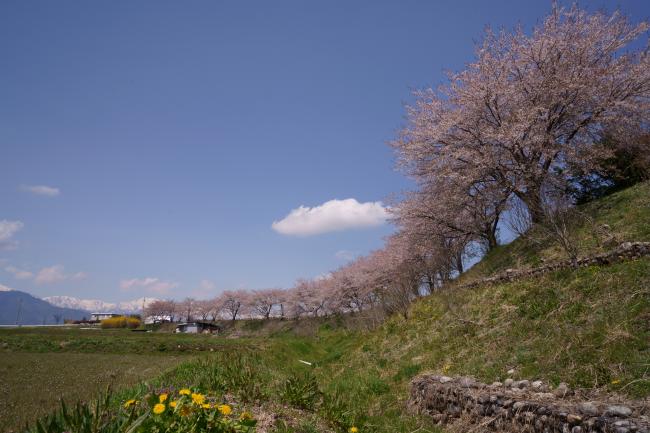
523 406
625 251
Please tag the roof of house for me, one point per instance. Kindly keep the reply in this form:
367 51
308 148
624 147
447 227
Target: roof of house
196 322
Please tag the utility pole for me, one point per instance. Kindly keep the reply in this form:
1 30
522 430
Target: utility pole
20 307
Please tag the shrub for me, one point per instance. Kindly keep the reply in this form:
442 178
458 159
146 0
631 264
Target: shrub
120 322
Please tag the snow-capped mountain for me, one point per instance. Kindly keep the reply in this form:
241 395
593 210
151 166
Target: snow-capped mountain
98 306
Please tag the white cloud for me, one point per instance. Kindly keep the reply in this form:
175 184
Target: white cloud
207 285
150 284
345 255
325 276
19 274
52 274
4 288
79 276
7 230
56 274
49 191
331 216
205 289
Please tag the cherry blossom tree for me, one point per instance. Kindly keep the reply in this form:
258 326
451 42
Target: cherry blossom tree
232 302
306 298
263 302
161 309
188 307
203 309
529 108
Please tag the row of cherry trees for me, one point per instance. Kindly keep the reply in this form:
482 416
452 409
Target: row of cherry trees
384 282
518 128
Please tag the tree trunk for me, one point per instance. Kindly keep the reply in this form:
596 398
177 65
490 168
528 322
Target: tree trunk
533 200
491 237
459 263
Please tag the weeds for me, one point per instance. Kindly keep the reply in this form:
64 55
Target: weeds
301 391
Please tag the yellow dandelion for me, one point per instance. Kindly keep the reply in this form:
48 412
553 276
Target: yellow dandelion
172 404
224 409
162 397
245 416
198 398
353 430
446 368
129 403
159 408
184 391
206 406
616 381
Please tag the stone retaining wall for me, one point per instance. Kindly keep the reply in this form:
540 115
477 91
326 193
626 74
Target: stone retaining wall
625 251
523 406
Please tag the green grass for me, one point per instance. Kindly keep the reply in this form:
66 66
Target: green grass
627 213
75 339
587 328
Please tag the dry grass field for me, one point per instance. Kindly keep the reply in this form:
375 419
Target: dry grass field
31 384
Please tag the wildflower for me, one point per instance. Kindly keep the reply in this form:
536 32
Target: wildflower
129 403
224 409
184 391
353 429
616 381
162 398
206 406
245 416
159 408
446 368
172 404
198 398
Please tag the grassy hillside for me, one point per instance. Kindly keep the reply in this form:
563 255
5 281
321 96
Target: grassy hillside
589 328
620 217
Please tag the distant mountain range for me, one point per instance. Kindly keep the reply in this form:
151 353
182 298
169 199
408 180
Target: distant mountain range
29 310
21 308
98 306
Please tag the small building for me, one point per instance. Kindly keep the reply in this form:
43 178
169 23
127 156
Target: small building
198 328
98 317
151 320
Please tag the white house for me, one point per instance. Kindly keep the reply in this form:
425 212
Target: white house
97 317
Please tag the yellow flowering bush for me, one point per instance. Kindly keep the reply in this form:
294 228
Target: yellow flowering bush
186 411
120 322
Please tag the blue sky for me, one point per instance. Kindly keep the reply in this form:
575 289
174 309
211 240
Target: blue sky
172 135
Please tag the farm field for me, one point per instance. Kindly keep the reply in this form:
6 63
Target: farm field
38 366
33 383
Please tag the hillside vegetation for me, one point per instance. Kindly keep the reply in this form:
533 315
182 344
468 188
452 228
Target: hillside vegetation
620 217
588 327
